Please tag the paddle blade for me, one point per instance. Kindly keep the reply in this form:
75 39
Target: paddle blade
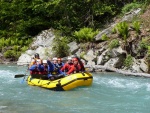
19 75
22 81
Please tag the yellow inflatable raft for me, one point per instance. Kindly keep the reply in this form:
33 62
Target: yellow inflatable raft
63 84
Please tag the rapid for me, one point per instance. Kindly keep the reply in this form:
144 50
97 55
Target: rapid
109 93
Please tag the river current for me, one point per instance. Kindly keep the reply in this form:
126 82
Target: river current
109 93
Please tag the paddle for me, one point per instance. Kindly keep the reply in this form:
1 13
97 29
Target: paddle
19 75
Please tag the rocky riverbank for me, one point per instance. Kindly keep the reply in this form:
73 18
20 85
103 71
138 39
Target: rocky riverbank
98 56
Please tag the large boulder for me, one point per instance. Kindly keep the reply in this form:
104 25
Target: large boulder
115 52
44 39
73 47
89 57
42 45
143 66
24 59
102 59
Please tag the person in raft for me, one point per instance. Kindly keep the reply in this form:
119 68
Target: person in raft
68 67
73 65
36 67
35 60
45 67
53 70
60 63
78 65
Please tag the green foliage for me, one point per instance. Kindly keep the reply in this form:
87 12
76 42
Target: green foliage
114 30
148 55
9 54
26 18
130 6
24 48
21 42
85 35
113 44
128 61
104 37
136 26
82 55
144 43
122 28
16 48
60 47
8 42
12 54
2 41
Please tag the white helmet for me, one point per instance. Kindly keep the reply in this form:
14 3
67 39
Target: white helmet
44 61
69 58
54 58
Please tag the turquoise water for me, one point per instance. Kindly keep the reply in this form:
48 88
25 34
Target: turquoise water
110 93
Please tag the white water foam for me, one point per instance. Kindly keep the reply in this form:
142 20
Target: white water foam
115 82
6 73
2 107
7 77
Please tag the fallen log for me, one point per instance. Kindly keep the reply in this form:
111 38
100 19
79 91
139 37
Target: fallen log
112 69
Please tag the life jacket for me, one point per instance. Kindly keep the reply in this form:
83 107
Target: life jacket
56 70
60 65
45 72
34 70
67 67
33 61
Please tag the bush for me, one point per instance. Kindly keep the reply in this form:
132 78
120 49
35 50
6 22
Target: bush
24 48
12 54
9 54
122 28
85 35
104 37
128 61
60 47
136 26
144 43
114 30
114 43
129 7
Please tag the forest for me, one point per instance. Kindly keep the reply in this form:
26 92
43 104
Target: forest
21 20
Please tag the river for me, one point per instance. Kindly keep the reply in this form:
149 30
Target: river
109 93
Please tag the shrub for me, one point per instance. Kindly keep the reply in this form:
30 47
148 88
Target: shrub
12 54
145 42
114 43
136 26
2 41
24 48
128 61
9 54
122 28
60 47
16 48
104 37
114 30
8 42
82 55
85 35
129 7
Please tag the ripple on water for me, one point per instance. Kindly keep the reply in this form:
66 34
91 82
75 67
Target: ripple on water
123 83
